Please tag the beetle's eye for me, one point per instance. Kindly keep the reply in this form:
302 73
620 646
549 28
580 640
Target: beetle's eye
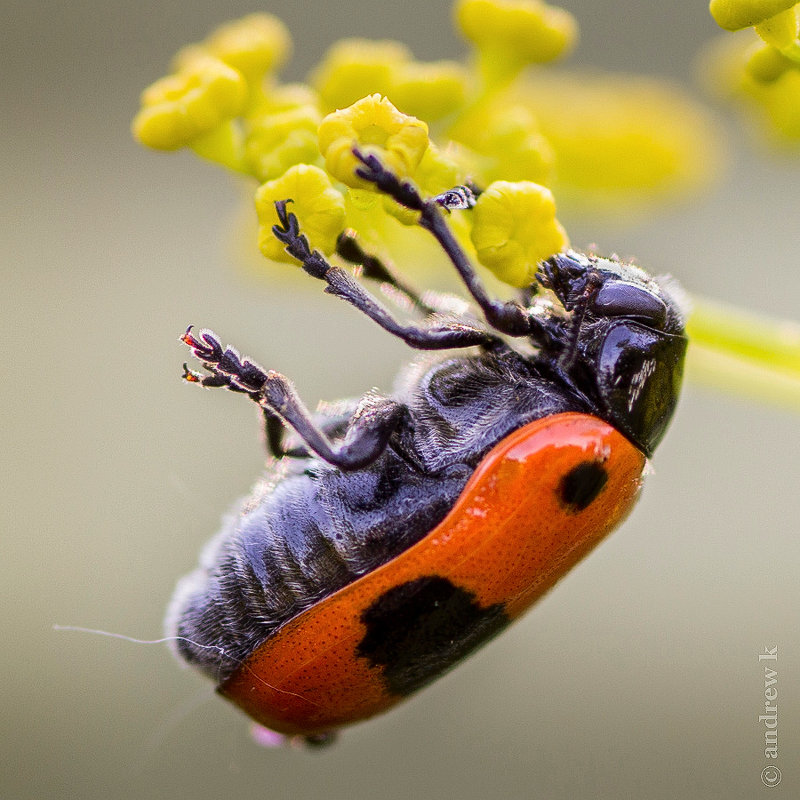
616 299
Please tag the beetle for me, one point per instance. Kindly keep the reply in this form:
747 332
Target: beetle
391 536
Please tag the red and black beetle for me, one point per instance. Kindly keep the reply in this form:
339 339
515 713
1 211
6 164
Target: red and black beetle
392 538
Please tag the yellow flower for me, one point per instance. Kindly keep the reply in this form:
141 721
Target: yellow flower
318 206
733 15
766 64
514 228
441 168
180 108
277 141
781 102
374 126
355 68
781 31
619 139
255 44
743 69
428 90
506 135
286 96
525 31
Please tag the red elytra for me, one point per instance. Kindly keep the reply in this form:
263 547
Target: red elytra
507 540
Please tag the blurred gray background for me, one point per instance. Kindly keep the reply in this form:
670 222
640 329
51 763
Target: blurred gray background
636 677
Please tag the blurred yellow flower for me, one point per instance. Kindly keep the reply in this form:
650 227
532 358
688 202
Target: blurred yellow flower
507 138
319 208
285 96
761 80
441 168
622 139
780 100
279 140
521 31
182 107
429 90
374 126
356 68
733 15
764 63
514 228
254 45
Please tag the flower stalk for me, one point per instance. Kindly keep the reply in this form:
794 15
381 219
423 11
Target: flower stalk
745 353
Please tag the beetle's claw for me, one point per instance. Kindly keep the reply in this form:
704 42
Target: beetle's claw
190 376
206 346
288 228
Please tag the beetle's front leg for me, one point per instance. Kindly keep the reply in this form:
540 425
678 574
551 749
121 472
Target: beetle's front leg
349 248
368 432
436 336
508 317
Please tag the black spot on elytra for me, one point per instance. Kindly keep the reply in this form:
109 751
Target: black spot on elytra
581 485
420 629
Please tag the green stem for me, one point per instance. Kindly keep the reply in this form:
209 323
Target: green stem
736 376
745 353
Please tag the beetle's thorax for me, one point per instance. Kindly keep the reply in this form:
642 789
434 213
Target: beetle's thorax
614 335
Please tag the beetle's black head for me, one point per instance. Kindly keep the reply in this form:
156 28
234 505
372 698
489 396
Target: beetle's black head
621 343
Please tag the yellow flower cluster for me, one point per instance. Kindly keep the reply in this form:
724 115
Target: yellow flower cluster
438 124
763 70
189 104
212 82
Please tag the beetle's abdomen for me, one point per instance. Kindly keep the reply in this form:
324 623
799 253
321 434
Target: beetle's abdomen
536 504
293 544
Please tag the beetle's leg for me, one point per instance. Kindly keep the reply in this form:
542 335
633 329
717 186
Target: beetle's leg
369 430
273 426
274 429
508 317
441 336
573 327
349 248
